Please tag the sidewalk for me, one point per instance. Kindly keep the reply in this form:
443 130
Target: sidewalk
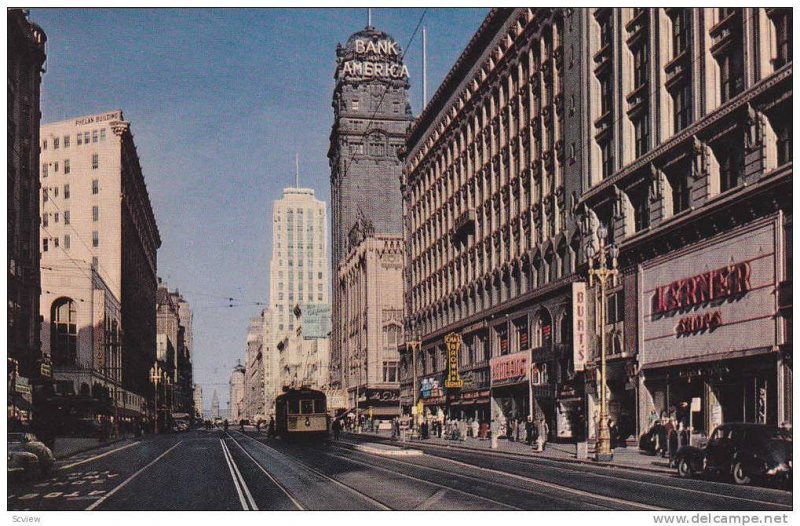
623 457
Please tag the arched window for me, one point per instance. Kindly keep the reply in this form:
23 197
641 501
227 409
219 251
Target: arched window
63 332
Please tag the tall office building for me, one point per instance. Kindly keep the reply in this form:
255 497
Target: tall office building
236 399
97 225
254 388
198 401
298 268
371 115
26 55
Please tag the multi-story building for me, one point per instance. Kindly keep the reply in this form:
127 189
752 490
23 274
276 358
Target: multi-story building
371 115
198 401
298 272
667 127
215 405
254 393
687 156
370 283
26 56
236 400
271 359
184 400
96 212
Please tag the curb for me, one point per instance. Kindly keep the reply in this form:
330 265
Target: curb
89 448
393 452
660 471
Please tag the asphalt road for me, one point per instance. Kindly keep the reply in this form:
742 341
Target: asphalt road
213 470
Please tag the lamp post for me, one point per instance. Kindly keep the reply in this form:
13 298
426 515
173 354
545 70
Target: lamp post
602 268
156 374
414 345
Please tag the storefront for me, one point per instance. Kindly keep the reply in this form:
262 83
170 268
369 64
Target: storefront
473 399
710 337
511 386
432 394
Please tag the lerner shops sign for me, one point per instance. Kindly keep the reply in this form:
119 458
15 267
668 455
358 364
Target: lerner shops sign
711 299
379 59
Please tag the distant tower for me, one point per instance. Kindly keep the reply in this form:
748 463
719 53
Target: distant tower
371 114
215 405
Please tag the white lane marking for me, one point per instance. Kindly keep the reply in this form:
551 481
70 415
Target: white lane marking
238 480
270 477
533 481
97 456
320 474
125 482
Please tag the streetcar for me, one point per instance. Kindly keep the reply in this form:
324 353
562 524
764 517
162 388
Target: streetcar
301 413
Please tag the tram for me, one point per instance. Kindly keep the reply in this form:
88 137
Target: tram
301 413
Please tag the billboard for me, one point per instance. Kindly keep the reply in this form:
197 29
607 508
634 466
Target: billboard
316 320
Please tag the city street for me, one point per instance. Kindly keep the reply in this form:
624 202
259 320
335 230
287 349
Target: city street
214 470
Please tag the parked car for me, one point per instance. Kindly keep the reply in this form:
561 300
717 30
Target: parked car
742 451
22 464
28 443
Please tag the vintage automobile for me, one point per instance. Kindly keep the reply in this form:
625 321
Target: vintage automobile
22 464
742 451
28 443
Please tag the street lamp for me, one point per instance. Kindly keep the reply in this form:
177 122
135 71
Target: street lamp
600 271
157 375
414 345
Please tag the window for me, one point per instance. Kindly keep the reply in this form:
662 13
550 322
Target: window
103 134
95 161
45 220
44 144
680 188
66 241
44 245
354 105
95 262
640 66
641 129
607 157
56 142
730 73
86 137
730 165
55 217
64 332
615 307
44 169
94 135
682 107
55 166
66 141
66 191
79 138
606 93
783 130
640 199
95 239
390 372
95 186
66 166
95 213
606 29
66 217
681 27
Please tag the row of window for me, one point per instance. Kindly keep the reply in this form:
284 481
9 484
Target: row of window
81 138
67 167
56 216
52 191
54 241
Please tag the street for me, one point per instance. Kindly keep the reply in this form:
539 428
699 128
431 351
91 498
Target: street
214 470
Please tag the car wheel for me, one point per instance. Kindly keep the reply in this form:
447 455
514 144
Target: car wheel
740 475
685 470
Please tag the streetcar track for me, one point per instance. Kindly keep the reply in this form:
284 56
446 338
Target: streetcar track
501 485
551 464
245 497
269 475
320 474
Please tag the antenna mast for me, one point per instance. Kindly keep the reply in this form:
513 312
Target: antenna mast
369 17
296 170
424 66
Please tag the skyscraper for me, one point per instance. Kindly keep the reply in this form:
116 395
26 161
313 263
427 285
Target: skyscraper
371 115
215 405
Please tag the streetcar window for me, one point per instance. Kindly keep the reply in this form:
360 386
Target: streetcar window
306 407
294 406
319 405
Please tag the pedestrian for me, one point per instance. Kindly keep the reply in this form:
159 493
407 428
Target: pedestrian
337 425
542 431
672 440
475 428
520 430
271 427
510 429
258 427
241 425
529 431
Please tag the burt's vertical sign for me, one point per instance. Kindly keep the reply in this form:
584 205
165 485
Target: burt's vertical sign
579 325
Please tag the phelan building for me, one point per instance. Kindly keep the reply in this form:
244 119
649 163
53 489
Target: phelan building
671 128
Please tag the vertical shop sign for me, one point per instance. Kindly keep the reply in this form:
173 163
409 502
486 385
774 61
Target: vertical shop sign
579 325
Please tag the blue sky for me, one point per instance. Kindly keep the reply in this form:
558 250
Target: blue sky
219 102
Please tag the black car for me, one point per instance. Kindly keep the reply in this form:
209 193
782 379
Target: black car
20 446
741 451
